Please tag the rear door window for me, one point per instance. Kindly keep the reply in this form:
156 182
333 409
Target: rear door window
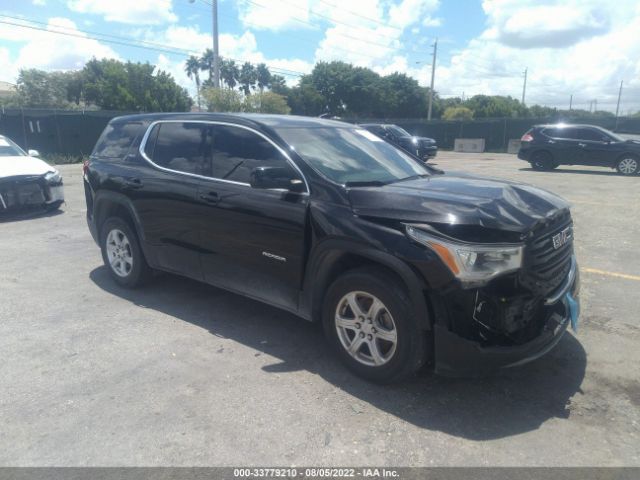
183 147
237 151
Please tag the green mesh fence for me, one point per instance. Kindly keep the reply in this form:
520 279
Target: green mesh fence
74 133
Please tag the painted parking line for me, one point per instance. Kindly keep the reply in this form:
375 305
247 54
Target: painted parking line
611 274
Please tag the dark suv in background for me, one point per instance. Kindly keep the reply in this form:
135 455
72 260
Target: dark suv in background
422 147
403 264
547 146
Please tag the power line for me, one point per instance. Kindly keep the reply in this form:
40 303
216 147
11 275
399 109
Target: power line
360 15
290 35
369 42
88 35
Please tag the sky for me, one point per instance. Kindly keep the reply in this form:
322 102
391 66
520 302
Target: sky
583 48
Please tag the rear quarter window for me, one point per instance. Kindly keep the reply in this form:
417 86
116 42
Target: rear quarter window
116 139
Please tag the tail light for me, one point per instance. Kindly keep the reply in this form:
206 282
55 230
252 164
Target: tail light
85 168
527 137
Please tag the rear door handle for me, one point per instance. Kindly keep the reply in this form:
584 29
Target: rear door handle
582 144
133 183
209 197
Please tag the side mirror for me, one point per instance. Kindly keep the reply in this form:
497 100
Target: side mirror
275 178
33 153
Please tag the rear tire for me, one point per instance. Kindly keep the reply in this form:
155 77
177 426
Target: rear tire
368 312
543 161
628 165
122 254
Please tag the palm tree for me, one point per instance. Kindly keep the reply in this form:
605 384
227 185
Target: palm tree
206 63
263 76
192 69
248 77
229 73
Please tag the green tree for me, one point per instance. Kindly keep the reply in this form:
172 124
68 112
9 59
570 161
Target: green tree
248 77
192 69
304 99
266 102
222 99
279 85
206 64
263 76
229 73
457 113
114 85
401 96
37 88
496 106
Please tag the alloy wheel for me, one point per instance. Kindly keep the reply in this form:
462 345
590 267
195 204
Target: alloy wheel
628 166
366 328
119 253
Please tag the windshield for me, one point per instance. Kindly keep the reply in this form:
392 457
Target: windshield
401 132
10 149
349 155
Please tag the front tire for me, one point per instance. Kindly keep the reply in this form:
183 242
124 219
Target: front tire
628 165
367 318
543 161
122 254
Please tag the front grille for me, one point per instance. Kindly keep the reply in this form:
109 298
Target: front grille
546 263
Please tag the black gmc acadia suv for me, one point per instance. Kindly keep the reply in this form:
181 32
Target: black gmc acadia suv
402 263
548 146
422 147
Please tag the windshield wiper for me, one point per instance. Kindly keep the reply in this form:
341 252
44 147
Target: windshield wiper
367 183
412 177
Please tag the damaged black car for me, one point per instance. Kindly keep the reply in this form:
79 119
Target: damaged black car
403 264
26 182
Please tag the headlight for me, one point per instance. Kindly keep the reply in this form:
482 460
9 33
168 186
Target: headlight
474 263
53 177
414 140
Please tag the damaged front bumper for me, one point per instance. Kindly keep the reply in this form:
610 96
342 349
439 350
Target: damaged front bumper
456 355
24 193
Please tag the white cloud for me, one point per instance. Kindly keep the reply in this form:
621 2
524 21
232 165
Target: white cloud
39 3
278 15
140 12
375 39
585 51
49 51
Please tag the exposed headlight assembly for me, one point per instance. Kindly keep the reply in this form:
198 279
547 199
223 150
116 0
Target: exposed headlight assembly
471 263
53 177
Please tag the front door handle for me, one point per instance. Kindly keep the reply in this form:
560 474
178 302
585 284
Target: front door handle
582 145
209 197
133 182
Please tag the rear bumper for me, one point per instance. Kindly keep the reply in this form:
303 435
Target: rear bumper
459 357
523 154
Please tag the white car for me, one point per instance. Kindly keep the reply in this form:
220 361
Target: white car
26 182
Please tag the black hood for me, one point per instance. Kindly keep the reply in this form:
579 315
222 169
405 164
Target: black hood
456 198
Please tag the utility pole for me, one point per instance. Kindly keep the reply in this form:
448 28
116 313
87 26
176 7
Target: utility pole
524 86
216 56
570 102
618 104
433 76
595 105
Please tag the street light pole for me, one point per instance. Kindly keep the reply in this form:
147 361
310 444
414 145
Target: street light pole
433 76
216 56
